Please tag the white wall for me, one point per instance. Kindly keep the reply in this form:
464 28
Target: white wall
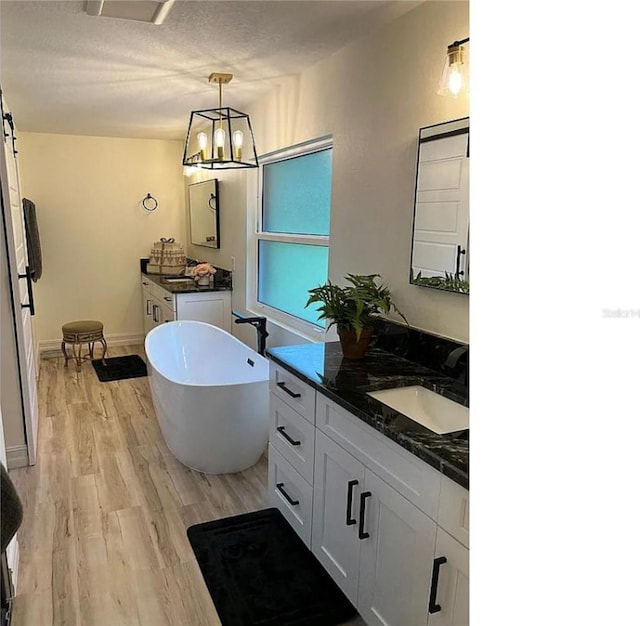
93 229
372 96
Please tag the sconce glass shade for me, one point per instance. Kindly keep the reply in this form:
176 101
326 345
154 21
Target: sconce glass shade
454 80
221 126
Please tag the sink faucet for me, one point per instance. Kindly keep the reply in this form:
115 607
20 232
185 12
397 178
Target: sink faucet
260 324
455 362
455 356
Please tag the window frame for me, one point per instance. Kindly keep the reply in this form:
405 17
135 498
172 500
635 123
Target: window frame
255 234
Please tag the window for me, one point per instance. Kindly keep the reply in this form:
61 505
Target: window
292 233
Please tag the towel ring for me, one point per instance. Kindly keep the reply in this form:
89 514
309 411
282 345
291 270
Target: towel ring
149 208
212 199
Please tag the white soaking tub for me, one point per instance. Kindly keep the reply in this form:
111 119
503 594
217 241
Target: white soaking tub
211 396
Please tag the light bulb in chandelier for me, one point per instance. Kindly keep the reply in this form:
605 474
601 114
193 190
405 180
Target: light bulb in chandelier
219 138
202 143
238 139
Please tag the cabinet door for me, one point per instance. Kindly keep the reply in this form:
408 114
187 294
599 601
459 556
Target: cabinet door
167 313
212 308
147 308
156 312
451 595
396 559
334 534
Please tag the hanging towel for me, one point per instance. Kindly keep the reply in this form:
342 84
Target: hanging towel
33 239
11 509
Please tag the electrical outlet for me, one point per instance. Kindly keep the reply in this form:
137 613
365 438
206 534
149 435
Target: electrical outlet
233 263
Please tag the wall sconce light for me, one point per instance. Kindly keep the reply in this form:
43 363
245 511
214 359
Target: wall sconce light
219 139
455 73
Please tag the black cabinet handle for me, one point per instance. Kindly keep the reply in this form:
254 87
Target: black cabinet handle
434 607
167 298
279 487
350 485
282 431
363 504
148 303
155 308
30 305
285 388
459 272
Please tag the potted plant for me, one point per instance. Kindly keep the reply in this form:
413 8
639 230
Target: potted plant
353 309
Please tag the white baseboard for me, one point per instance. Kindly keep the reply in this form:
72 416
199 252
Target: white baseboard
122 339
17 456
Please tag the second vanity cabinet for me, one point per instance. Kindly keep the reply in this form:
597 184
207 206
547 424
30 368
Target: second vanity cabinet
160 306
376 517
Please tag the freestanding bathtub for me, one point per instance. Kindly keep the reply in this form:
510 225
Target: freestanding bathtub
211 396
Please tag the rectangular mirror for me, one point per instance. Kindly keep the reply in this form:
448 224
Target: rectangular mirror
440 243
204 213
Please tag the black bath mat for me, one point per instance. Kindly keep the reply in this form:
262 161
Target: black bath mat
260 573
120 367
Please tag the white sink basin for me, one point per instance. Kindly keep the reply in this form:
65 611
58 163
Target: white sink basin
428 408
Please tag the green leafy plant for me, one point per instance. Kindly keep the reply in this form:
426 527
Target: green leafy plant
450 282
355 306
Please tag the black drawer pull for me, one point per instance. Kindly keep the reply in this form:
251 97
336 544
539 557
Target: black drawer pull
350 485
167 298
363 503
434 607
279 487
282 431
284 387
148 303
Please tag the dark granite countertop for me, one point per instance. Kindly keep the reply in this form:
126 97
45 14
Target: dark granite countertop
184 287
347 382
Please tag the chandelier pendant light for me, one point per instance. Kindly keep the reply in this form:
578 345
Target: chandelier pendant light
219 139
454 80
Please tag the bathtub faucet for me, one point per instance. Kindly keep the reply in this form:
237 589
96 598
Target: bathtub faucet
260 324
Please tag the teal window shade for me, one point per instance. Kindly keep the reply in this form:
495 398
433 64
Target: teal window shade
286 272
297 194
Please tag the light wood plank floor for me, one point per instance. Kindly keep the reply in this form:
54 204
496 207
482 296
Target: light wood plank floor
103 542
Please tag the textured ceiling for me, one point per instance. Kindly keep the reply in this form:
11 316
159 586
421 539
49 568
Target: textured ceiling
64 71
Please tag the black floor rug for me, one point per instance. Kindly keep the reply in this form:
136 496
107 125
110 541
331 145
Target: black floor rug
120 367
260 573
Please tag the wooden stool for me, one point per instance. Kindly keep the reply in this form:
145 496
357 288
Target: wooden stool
77 333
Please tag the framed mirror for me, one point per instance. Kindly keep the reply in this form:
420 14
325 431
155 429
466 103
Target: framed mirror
440 241
204 213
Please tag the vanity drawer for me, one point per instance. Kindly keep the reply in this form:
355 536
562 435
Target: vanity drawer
453 513
407 474
293 391
164 296
292 435
291 493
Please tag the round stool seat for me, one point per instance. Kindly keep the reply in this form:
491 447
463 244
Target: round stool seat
81 328
79 332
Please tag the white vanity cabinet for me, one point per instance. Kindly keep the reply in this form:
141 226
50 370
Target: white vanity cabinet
380 520
450 597
160 305
157 305
291 449
375 544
